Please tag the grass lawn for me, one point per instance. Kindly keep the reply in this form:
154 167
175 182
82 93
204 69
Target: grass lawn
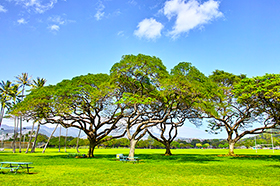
185 167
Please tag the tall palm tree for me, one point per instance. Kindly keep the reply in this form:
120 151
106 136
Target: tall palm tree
23 80
6 89
14 92
38 83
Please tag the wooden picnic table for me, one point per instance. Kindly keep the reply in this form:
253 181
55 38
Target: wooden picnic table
15 166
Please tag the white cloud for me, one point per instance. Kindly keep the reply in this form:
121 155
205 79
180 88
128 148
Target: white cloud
21 21
132 2
190 14
120 33
36 5
54 28
2 9
149 28
100 13
58 20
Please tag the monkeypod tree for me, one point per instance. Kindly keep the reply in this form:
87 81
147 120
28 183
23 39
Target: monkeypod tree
168 132
226 113
138 80
182 93
86 102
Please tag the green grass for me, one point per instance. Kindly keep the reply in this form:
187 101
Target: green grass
185 167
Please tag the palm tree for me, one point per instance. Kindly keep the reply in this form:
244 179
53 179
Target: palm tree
40 82
8 93
5 97
23 81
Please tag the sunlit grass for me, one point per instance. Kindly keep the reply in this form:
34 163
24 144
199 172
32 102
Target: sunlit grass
185 167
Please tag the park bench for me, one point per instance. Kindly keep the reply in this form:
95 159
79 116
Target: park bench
15 166
123 158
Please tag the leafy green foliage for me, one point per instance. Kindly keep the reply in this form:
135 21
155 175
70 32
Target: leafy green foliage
263 92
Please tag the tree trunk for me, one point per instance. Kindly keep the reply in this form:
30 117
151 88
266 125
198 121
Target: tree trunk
231 148
59 139
30 138
77 146
132 146
66 139
20 134
36 135
49 139
92 146
14 141
167 149
1 115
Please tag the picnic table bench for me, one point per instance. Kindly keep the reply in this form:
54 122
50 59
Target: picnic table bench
15 166
123 158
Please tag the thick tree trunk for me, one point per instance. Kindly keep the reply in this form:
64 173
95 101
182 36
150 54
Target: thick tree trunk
167 149
92 145
132 146
30 138
49 139
231 148
36 135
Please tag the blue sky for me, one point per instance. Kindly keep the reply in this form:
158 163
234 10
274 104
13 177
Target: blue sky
60 39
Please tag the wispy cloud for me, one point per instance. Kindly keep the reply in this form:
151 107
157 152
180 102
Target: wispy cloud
2 9
149 28
100 13
54 28
36 5
190 14
120 33
133 2
21 21
57 21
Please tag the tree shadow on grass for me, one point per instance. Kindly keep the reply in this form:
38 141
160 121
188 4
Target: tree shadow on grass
274 166
179 158
257 157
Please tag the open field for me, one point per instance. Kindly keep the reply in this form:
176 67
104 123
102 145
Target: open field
185 167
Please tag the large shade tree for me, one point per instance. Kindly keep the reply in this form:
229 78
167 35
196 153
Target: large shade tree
86 102
138 80
183 91
238 118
